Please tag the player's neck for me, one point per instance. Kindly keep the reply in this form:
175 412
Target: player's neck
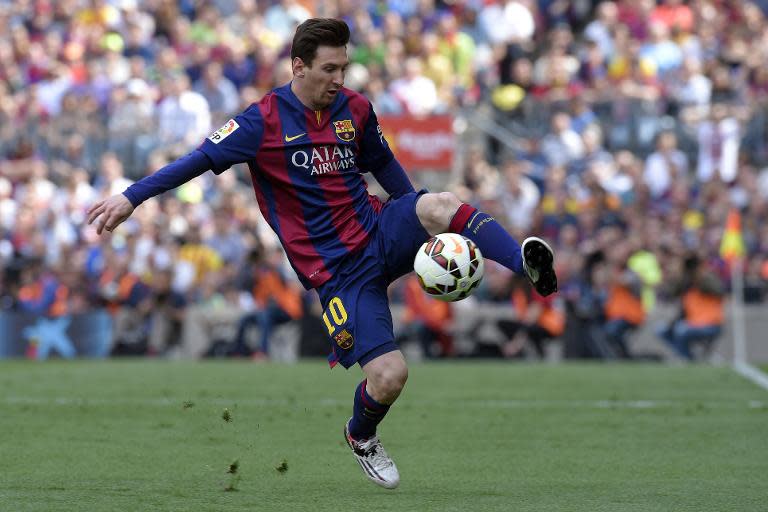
303 97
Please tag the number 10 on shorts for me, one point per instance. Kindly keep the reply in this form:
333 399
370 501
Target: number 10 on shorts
337 313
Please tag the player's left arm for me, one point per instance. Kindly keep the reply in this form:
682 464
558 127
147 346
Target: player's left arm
376 157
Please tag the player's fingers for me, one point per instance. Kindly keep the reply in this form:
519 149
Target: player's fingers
114 220
95 211
100 225
96 205
106 221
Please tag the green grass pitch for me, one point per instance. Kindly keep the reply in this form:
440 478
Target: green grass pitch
232 436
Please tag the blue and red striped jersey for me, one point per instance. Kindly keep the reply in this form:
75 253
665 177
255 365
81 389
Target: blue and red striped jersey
307 168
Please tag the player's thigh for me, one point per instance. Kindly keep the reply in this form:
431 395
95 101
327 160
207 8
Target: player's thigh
358 320
399 235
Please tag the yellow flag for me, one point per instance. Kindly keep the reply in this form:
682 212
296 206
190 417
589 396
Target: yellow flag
732 244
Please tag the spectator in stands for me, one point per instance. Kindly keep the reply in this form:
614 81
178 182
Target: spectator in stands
507 22
519 196
196 261
539 320
718 146
210 321
166 313
584 335
416 92
691 92
562 145
624 310
132 124
41 292
277 299
665 165
8 206
661 49
459 49
594 152
600 30
44 295
111 179
702 315
225 237
283 17
218 91
184 118
124 295
674 15
427 320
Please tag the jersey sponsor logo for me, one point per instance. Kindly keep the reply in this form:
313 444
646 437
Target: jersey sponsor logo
224 132
344 340
345 130
289 139
324 159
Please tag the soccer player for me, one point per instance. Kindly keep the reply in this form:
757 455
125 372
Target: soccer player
307 145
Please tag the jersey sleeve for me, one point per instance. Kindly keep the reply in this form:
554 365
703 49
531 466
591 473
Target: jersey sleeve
236 142
374 150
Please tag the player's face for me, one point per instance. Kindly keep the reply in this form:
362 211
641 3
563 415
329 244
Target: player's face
325 78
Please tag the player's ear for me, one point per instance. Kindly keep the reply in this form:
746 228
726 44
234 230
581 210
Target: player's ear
298 67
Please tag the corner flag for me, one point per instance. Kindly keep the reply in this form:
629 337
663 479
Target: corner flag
732 244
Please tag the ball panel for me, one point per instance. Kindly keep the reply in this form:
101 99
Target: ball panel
437 247
441 260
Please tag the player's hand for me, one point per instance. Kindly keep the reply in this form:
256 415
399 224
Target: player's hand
113 211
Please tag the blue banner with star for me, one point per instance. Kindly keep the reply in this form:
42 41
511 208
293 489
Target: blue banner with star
40 337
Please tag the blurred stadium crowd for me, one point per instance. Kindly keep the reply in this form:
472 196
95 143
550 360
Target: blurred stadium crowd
627 132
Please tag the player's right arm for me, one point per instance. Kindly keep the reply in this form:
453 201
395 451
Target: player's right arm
117 208
235 142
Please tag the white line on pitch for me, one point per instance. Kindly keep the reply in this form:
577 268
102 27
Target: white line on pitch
332 402
752 373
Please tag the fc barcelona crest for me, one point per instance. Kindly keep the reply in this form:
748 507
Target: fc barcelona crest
345 130
344 340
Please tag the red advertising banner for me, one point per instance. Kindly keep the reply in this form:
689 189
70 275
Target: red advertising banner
420 143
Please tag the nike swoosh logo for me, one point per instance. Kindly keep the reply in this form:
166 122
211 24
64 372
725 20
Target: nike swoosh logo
457 248
469 224
289 139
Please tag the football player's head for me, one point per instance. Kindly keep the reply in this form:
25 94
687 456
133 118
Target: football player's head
319 60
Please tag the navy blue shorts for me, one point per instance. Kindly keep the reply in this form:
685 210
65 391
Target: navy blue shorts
355 303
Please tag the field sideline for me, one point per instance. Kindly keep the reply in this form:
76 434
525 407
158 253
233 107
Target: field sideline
153 436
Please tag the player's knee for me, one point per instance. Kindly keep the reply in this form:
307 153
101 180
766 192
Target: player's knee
435 211
388 381
445 205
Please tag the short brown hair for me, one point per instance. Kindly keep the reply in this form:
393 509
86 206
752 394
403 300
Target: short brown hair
318 32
